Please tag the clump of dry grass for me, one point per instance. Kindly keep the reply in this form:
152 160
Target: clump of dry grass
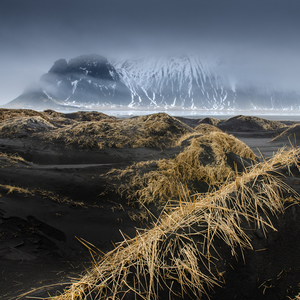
43 193
56 197
179 254
203 160
292 133
154 131
7 158
15 189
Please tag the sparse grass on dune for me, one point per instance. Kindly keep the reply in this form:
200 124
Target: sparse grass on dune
38 191
154 131
291 133
6 158
15 189
24 125
203 162
6 114
249 123
180 253
81 116
49 114
206 128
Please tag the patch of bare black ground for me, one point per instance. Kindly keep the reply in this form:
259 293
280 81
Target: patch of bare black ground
38 244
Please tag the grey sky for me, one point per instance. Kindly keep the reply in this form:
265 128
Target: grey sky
256 40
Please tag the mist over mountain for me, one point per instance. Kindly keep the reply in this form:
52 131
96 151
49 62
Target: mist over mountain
170 82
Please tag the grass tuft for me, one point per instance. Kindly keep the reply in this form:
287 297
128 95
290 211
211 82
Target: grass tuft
205 162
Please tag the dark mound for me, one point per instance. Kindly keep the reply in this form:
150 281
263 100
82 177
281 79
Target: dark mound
210 121
18 113
21 127
80 115
247 123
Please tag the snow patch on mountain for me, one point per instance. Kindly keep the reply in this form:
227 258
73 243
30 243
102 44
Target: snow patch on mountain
183 81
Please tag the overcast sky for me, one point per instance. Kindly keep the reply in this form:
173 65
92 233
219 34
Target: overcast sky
255 40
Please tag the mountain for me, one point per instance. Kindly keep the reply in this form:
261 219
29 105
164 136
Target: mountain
174 82
187 82
87 80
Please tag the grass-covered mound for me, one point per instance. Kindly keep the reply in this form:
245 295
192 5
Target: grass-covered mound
80 116
249 123
206 128
19 113
205 161
154 131
210 121
193 245
18 127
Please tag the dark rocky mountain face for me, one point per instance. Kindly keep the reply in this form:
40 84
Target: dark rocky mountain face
83 81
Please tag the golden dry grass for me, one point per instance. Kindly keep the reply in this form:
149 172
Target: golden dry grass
178 254
6 114
43 193
155 131
249 123
292 133
14 189
203 160
24 125
80 116
56 197
7 158
297 297
206 128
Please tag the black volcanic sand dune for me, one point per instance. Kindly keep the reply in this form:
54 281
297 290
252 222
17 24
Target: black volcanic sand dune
248 123
228 221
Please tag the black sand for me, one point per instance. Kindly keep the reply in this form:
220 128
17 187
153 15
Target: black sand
38 245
